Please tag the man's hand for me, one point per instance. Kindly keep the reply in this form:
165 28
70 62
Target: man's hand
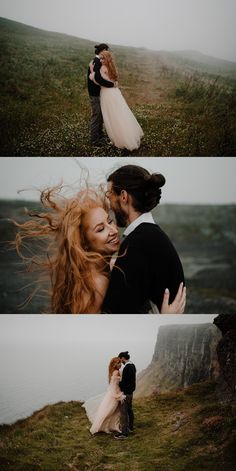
178 305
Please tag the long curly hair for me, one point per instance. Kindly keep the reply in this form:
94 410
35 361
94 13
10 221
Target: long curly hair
66 256
110 64
114 364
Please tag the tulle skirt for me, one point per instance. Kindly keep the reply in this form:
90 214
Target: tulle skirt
103 412
121 125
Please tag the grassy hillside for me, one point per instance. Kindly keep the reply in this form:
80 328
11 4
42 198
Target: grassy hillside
204 237
186 105
186 430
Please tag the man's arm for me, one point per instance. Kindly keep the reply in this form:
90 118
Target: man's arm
98 78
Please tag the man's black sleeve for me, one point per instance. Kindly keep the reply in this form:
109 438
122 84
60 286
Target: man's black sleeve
128 382
99 79
128 287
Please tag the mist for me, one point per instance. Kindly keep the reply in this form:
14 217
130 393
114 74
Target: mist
188 181
204 25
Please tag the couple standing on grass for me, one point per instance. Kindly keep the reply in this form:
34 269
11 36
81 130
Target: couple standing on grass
109 106
88 269
112 411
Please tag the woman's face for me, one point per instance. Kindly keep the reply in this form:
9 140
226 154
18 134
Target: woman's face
101 232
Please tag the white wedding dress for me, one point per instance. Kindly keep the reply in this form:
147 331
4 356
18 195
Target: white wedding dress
103 411
121 125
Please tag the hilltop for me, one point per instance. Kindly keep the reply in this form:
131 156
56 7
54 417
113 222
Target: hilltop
184 101
187 429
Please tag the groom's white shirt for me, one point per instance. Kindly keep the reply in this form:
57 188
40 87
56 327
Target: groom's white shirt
145 217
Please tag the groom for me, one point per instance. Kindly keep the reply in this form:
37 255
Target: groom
94 94
127 386
147 261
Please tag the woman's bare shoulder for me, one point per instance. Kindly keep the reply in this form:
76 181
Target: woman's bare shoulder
100 287
101 282
104 72
104 69
116 374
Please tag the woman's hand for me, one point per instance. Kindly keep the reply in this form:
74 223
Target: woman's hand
178 305
91 66
91 76
122 398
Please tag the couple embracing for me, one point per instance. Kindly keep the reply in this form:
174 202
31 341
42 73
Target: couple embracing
113 412
89 270
108 104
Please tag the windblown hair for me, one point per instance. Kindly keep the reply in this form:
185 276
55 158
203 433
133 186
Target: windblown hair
110 64
145 188
114 364
66 258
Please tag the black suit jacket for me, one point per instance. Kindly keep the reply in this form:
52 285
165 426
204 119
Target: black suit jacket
93 88
128 382
147 263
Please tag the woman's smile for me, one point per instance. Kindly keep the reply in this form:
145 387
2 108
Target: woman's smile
101 232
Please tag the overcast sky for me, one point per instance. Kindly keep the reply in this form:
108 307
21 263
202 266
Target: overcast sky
94 335
188 180
45 359
204 25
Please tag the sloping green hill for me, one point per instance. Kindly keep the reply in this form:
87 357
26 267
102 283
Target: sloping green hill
181 431
211 65
46 111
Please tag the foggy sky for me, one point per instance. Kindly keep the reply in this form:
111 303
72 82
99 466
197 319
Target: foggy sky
204 25
97 337
188 180
45 359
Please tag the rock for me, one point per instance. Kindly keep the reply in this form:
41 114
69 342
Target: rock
226 351
183 355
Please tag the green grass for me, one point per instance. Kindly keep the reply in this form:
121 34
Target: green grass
188 429
46 109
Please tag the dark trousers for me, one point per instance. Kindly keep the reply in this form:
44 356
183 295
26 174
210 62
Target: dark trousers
127 415
96 120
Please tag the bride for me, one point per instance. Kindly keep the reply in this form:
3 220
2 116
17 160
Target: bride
77 240
121 125
104 411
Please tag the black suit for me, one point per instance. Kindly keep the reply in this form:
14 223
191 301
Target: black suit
93 88
127 386
149 265
94 94
128 382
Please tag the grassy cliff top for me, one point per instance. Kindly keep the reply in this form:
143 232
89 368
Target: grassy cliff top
184 102
185 430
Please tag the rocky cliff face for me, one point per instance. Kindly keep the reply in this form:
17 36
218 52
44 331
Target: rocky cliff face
183 355
226 351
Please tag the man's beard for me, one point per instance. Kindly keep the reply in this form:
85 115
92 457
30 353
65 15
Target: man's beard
121 217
